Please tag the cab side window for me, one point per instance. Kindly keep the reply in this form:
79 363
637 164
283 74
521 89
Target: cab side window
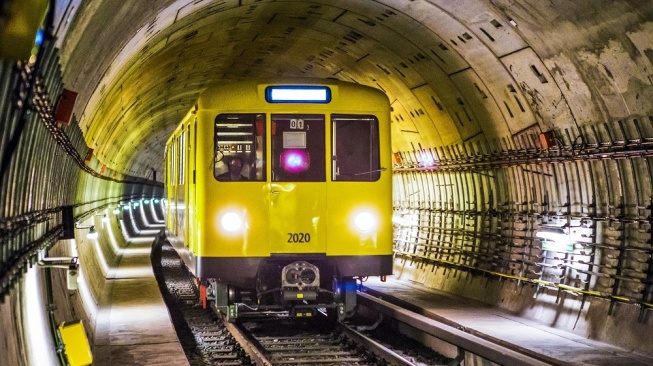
239 147
355 148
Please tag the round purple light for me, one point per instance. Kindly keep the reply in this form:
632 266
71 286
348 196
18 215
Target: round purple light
295 161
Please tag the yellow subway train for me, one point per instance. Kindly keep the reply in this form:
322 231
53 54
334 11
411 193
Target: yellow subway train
279 195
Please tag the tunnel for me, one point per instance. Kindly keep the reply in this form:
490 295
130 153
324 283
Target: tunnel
522 142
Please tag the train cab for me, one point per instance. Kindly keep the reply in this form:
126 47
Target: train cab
279 194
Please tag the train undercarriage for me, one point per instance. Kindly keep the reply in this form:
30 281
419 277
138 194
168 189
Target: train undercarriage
297 289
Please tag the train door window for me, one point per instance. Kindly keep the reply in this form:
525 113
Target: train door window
187 149
182 156
165 167
355 148
298 148
195 151
173 162
239 147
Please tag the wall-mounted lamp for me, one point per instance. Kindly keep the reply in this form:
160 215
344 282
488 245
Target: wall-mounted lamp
555 238
92 234
426 159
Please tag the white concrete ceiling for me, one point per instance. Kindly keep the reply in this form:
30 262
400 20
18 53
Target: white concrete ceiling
455 71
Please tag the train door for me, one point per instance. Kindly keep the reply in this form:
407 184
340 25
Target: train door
360 192
181 188
239 198
191 207
297 189
172 203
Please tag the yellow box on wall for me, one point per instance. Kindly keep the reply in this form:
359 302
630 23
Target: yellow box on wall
77 348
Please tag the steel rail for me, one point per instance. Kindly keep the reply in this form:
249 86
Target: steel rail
491 350
377 348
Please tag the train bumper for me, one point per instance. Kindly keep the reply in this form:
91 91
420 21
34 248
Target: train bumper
242 271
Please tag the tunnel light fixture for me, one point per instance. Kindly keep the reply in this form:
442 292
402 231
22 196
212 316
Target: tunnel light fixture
555 238
427 159
298 94
92 234
156 201
146 202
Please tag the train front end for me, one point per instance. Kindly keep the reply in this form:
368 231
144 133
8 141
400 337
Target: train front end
296 202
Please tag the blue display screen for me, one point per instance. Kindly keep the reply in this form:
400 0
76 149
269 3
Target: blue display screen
297 94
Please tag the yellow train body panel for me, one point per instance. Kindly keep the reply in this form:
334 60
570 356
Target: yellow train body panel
272 214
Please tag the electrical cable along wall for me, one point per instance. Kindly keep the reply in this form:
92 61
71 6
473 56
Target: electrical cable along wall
41 166
574 217
29 218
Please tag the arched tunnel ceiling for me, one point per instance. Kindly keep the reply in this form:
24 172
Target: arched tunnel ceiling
455 71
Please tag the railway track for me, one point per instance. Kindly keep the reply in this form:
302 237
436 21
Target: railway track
208 340
290 342
203 336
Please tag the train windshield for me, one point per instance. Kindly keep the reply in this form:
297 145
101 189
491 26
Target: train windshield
355 148
298 148
239 143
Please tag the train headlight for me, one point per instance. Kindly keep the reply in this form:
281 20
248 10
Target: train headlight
231 222
364 221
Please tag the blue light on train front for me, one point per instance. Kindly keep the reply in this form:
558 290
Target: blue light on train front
39 37
297 94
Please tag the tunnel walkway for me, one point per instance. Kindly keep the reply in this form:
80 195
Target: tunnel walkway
558 346
134 326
